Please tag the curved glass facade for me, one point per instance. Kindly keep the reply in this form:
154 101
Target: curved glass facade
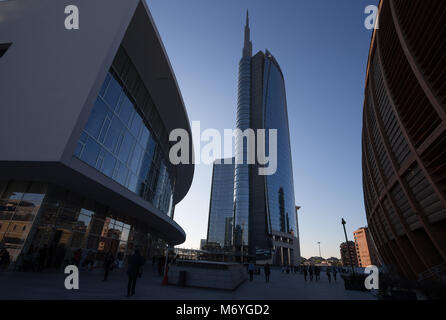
279 186
118 142
241 179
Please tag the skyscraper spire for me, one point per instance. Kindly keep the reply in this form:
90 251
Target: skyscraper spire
247 49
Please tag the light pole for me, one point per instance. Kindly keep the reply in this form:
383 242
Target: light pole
319 249
348 247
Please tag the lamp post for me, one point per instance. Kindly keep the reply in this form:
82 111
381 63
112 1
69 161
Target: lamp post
348 247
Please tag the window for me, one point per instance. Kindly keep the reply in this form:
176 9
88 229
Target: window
113 93
94 124
126 110
108 164
114 132
126 147
91 152
3 48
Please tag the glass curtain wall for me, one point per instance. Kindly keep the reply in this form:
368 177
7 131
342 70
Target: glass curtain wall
125 140
279 186
44 226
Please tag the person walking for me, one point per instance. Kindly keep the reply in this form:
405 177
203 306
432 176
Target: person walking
251 271
108 264
305 271
4 259
42 257
160 265
89 260
311 271
267 271
317 273
135 263
77 257
335 271
329 274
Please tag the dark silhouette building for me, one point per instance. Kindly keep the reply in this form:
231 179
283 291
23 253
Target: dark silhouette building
404 137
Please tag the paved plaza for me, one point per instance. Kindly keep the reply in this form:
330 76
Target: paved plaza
50 285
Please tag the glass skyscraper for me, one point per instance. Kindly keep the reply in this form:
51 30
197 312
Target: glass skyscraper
221 206
265 220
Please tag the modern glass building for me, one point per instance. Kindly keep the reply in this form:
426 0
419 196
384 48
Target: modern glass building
221 208
265 220
404 138
85 122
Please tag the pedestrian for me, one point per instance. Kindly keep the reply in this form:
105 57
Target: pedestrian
120 261
42 257
4 259
335 271
267 271
305 271
161 263
90 260
317 273
329 274
251 271
134 271
108 264
288 269
310 271
28 259
77 257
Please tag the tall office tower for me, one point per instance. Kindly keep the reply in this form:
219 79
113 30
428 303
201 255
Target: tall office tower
297 255
221 206
404 137
85 122
348 254
365 248
265 226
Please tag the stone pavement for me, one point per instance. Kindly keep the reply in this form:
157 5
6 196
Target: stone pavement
50 285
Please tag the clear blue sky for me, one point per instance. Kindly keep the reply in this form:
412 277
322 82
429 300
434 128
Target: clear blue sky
322 47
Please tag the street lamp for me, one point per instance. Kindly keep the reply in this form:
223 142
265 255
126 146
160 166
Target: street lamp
348 247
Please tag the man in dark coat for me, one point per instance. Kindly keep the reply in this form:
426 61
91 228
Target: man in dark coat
310 271
108 264
267 272
135 263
